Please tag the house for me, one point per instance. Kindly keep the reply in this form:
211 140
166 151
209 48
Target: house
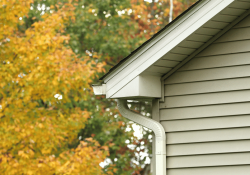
197 72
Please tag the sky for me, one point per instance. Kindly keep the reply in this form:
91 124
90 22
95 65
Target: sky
150 1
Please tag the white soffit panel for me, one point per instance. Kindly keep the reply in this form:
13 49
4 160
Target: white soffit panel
162 44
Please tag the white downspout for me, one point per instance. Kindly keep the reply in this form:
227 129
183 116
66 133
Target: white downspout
156 127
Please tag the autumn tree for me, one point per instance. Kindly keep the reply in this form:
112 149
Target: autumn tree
36 128
154 15
102 32
51 52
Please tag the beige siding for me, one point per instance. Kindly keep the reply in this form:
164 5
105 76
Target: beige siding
206 112
234 121
208 160
208 86
218 61
214 135
209 74
222 170
208 148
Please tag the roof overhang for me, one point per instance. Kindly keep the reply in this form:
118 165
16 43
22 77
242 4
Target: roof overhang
181 40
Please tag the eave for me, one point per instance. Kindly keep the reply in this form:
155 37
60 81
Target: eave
176 44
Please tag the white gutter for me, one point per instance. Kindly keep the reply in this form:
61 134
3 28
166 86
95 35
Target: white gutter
156 127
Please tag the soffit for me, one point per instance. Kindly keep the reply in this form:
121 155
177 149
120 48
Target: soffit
199 38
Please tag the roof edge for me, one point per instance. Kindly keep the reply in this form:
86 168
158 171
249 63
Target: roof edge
163 43
149 40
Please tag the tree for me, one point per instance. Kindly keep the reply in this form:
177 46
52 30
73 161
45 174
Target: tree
102 32
57 49
36 127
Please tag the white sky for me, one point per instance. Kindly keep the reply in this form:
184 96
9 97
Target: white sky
150 1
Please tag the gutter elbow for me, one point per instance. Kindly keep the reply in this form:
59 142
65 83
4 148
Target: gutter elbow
156 127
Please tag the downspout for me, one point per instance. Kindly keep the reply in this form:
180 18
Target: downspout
156 127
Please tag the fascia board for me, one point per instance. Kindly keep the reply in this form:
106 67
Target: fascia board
143 59
130 90
141 86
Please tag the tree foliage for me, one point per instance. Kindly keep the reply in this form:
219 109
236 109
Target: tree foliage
36 128
50 53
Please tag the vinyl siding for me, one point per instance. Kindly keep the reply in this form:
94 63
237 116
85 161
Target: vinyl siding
206 112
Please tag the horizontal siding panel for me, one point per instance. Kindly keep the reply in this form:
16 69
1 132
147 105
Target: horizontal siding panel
205 111
167 63
224 18
207 86
207 99
208 160
191 44
217 61
209 74
208 135
206 123
244 23
208 148
224 170
232 11
216 24
226 48
174 57
235 34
